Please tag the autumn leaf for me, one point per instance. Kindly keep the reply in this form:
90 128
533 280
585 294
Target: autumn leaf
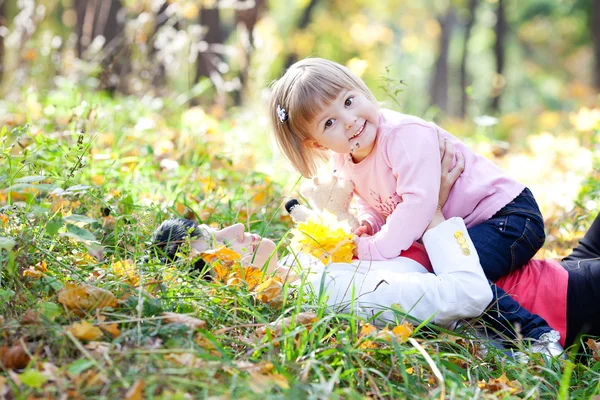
14 357
85 298
135 391
594 346
190 322
127 270
270 291
501 384
325 238
403 331
275 328
85 331
112 329
221 253
366 330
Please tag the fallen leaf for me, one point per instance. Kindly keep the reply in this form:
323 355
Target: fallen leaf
85 298
501 384
270 291
112 329
127 270
221 253
367 330
14 357
403 331
190 322
594 346
85 331
275 328
135 391
98 349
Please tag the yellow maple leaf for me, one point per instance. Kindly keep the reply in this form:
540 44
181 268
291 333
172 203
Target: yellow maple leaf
325 238
85 331
127 270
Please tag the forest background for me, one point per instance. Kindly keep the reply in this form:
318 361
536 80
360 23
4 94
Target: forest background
115 115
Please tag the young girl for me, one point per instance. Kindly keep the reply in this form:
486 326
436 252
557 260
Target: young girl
320 108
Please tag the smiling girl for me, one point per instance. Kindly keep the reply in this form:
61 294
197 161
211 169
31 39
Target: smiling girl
319 109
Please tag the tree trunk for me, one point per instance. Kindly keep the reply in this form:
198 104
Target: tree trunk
246 19
2 23
439 82
302 24
499 81
463 62
595 28
208 60
100 18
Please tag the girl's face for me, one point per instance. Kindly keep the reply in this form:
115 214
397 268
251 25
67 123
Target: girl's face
252 248
348 125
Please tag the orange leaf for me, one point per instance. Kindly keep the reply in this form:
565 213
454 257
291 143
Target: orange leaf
501 384
85 331
190 322
403 331
85 298
366 330
221 253
112 329
135 391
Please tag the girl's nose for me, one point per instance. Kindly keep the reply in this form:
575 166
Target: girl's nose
350 121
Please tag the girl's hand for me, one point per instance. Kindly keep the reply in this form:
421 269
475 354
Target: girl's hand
364 229
449 174
355 249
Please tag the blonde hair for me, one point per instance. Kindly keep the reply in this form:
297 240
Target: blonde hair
303 91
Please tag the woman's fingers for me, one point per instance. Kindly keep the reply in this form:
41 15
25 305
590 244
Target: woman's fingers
448 157
441 144
458 168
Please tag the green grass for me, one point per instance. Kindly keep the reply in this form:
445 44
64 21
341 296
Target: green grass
85 179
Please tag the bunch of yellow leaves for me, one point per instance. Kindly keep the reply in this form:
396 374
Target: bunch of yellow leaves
325 238
227 268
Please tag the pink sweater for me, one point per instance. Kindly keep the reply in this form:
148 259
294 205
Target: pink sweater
398 185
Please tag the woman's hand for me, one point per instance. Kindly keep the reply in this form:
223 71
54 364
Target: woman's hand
449 175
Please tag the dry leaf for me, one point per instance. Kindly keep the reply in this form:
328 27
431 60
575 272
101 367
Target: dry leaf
190 322
275 328
594 346
112 329
366 330
85 331
501 384
404 331
14 357
98 349
270 291
85 298
31 317
135 391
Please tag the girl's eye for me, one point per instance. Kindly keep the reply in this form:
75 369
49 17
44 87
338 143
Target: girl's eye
328 123
349 101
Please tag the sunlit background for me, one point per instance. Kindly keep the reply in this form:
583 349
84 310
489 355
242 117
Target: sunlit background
517 80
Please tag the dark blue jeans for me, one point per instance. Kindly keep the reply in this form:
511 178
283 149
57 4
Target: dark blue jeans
506 242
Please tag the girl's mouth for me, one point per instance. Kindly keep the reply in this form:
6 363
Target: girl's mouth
359 132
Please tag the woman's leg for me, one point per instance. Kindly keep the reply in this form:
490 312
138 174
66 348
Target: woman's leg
589 246
506 242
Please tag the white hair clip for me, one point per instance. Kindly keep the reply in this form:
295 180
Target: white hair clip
282 114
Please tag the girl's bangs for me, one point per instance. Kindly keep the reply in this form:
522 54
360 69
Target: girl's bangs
309 99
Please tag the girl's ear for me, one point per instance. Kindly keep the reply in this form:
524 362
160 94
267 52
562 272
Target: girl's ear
312 143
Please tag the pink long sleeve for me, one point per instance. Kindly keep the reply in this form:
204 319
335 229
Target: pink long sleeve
413 155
